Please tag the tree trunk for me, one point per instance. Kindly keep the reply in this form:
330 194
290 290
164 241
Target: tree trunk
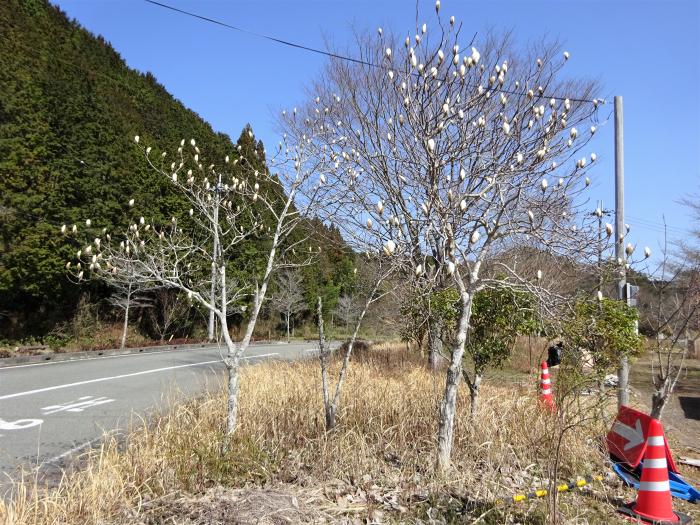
323 355
435 345
474 396
288 327
660 396
623 371
126 319
448 406
232 419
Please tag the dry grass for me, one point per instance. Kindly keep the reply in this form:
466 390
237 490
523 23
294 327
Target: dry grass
379 459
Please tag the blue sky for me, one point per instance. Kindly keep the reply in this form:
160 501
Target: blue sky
648 51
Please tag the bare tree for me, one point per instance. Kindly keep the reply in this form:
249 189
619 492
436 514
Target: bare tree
671 310
126 296
168 309
347 309
288 299
231 207
445 160
375 274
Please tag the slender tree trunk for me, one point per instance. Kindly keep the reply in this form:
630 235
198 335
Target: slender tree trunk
214 260
288 315
660 397
125 329
323 358
474 396
435 344
448 406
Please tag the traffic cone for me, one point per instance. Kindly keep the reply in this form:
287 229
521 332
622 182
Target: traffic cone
653 503
546 387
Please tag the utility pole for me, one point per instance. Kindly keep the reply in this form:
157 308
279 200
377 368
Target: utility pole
214 258
620 232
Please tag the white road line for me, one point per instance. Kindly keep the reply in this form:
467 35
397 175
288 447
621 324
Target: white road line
102 357
121 376
179 350
72 451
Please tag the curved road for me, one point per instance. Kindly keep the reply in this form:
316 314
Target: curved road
49 411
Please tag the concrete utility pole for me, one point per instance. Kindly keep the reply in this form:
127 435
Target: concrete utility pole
214 259
620 232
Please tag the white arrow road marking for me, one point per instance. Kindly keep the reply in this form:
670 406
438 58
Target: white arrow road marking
19 424
634 436
77 406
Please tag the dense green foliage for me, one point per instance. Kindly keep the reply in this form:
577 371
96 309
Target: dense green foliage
605 329
498 316
69 109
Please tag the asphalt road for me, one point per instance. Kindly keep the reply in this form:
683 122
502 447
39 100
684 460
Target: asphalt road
51 411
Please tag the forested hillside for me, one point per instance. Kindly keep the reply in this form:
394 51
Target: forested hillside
69 109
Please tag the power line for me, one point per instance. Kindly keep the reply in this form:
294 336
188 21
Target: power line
335 55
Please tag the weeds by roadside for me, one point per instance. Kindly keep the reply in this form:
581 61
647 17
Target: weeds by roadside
377 464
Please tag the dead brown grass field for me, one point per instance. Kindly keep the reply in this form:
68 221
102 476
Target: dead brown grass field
282 467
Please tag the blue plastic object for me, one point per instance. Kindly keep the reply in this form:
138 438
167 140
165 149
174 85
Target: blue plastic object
679 487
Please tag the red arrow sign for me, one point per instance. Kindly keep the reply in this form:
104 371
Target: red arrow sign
627 438
633 435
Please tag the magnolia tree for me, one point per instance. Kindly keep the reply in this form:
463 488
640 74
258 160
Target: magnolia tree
444 159
230 204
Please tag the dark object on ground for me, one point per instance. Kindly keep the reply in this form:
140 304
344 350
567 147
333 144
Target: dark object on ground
690 406
359 350
554 354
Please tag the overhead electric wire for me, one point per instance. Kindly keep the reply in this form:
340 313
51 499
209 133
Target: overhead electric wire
331 54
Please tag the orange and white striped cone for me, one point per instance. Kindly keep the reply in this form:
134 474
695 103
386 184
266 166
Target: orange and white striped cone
653 503
546 387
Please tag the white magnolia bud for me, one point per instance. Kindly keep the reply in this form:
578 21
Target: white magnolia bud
419 269
450 267
506 128
539 275
475 56
88 222
475 237
629 249
191 212
544 185
463 205
389 247
608 229
600 295
647 252
136 139
566 55
64 228
369 223
380 207
131 202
